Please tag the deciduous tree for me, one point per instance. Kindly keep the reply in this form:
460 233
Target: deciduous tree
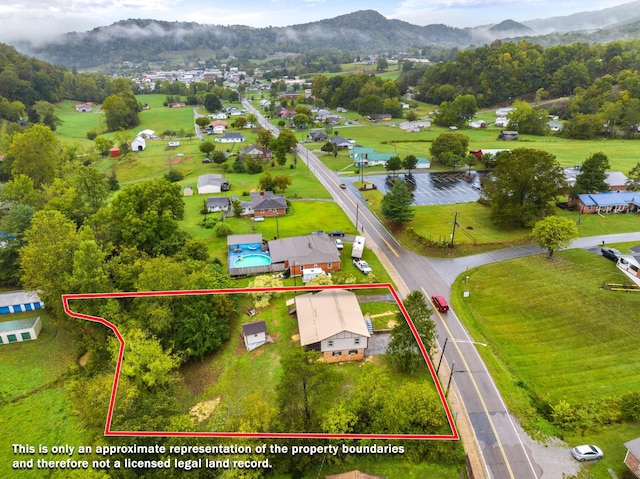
35 153
554 232
523 185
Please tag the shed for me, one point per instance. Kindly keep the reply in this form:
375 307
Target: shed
138 144
19 301
114 152
254 334
20 330
508 135
188 191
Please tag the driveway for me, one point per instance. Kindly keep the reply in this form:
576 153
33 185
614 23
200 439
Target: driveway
377 344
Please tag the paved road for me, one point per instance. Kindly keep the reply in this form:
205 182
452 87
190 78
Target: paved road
506 451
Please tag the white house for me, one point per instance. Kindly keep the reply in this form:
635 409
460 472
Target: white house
212 183
231 138
20 330
216 204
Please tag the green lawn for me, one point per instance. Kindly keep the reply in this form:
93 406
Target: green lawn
560 337
34 407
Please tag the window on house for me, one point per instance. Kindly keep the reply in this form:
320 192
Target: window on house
337 353
329 265
356 341
26 336
11 338
330 343
352 352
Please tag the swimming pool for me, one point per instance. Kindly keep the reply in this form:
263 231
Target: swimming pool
249 260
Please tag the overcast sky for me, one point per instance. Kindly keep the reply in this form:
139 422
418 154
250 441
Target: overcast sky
38 19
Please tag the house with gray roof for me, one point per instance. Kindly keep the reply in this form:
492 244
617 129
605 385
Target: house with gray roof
332 322
231 138
341 142
266 203
212 183
216 204
302 252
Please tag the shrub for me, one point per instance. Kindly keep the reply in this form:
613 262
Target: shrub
630 406
173 175
209 223
223 230
92 134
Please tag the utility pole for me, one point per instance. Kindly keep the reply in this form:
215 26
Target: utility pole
453 232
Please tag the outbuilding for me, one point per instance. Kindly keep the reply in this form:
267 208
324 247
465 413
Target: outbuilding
20 330
254 334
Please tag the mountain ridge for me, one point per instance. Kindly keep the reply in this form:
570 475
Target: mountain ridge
358 33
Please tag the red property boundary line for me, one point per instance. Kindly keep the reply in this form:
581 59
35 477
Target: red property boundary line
109 432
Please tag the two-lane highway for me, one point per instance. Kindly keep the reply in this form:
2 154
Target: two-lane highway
503 452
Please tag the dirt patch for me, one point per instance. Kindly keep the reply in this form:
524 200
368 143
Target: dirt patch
176 160
198 376
295 337
84 359
257 352
201 411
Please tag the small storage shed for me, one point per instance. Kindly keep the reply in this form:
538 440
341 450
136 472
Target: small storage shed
255 334
114 152
20 330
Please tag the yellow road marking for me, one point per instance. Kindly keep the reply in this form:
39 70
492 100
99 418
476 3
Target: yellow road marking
475 386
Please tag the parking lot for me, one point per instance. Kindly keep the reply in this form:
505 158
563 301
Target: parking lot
433 188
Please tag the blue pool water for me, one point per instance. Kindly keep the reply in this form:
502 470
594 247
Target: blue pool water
249 260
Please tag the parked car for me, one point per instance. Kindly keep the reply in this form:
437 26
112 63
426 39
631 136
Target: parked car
319 232
587 452
343 186
258 219
339 244
362 265
440 303
207 160
336 233
611 253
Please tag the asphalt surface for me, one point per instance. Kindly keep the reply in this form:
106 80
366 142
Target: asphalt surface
504 450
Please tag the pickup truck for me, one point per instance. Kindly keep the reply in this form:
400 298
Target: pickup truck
362 265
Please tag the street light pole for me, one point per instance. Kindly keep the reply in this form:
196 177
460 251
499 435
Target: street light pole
455 341
453 365
442 355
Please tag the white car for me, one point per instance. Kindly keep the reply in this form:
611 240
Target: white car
339 244
362 265
586 452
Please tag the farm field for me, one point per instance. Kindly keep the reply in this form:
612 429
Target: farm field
561 338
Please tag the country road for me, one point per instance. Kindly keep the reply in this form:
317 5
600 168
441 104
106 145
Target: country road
496 445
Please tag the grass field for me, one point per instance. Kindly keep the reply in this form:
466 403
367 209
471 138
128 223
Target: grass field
34 373
563 335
